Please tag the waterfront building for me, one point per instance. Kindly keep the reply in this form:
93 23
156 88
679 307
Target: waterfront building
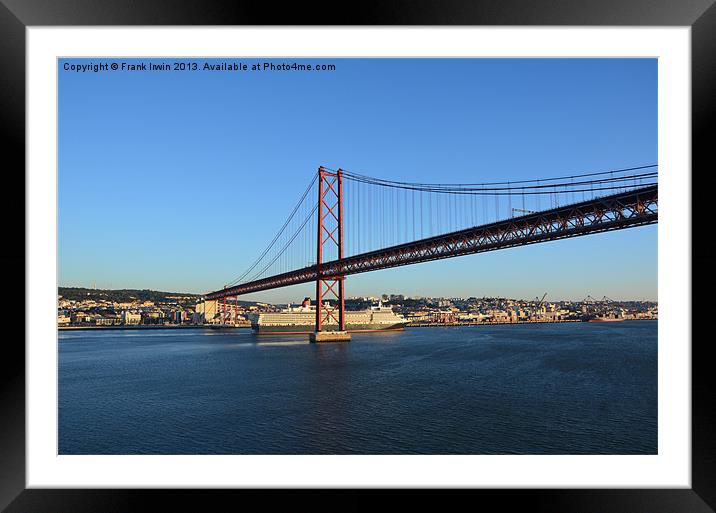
206 311
130 318
107 320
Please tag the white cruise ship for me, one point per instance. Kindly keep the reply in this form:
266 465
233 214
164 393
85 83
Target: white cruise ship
302 319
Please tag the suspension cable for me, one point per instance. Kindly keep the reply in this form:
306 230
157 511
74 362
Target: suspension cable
280 232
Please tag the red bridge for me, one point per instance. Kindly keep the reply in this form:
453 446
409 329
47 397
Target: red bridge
389 220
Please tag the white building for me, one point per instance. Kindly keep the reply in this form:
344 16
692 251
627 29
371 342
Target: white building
131 318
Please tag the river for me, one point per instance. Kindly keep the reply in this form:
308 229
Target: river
573 388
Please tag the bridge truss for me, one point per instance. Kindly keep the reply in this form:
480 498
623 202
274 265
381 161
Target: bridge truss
636 207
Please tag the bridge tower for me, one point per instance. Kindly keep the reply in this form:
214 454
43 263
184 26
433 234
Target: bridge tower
330 234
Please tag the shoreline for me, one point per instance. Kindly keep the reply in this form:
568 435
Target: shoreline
500 323
486 323
415 325
149 327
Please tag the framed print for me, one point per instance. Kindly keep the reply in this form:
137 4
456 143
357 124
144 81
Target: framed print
417 249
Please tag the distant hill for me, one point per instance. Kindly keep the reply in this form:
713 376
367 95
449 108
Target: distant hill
127 295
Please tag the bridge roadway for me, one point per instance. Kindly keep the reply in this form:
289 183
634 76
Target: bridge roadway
636 207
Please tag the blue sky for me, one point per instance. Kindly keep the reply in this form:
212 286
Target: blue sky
177 180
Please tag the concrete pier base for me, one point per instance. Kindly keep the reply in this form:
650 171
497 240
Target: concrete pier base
330 336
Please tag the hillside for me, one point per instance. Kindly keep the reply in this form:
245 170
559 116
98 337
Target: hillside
128 295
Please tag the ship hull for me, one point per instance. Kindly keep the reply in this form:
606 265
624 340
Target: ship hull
310 328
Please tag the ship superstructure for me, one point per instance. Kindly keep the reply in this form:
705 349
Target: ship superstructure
302 319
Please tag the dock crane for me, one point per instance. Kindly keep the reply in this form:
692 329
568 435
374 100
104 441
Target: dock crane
539 304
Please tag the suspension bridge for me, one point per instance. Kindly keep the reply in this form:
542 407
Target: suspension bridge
347 223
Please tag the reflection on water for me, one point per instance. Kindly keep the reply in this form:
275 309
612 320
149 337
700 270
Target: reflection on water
280 343
534 389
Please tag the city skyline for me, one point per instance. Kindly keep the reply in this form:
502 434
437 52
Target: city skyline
136 213
376 296
83 308
595 295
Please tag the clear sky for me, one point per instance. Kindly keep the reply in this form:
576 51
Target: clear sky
176 180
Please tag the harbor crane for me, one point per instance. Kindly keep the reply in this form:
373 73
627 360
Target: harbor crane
539 304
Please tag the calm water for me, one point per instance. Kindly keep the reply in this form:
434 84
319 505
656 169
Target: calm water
547 389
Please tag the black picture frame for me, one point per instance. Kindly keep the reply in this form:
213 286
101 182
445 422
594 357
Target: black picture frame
16 15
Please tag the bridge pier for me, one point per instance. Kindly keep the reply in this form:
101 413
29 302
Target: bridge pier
329 336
